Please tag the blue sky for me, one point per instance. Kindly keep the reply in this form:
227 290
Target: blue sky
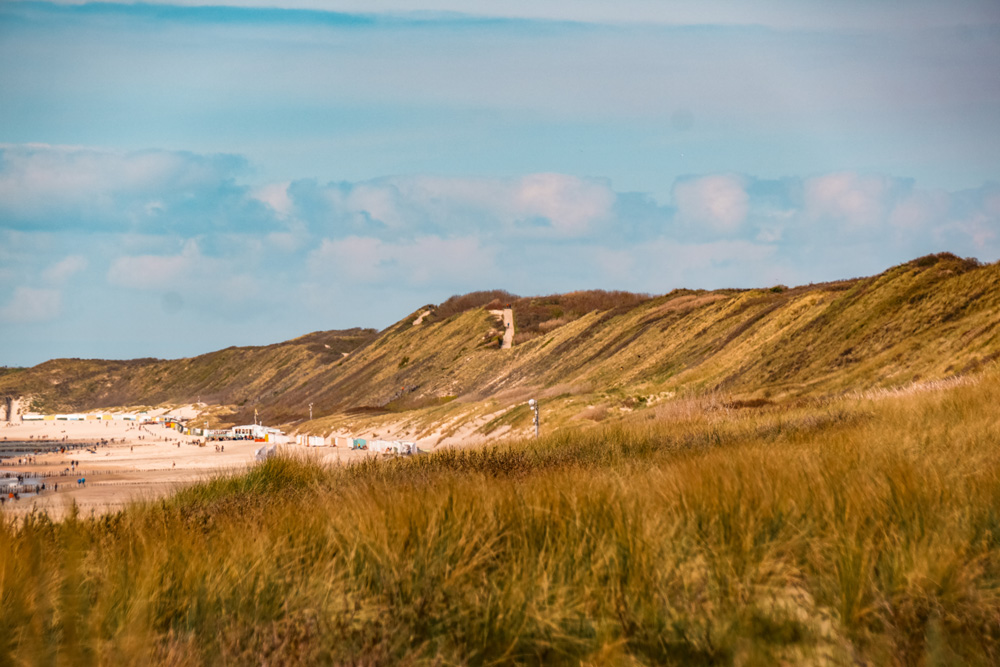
178 178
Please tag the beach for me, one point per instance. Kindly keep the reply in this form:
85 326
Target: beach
121 462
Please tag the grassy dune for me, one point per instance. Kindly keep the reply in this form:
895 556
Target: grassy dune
860 530
236 376
932 318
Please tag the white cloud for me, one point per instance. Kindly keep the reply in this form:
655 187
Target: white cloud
539 204
155 271
379 201
920 209
616 265
572 204
892 212
769 234
847 197
65 269
719 202
983 230
286 242
663 264
276 196
29 304
976 216
214 286
426 260
354 259
688 256
48 185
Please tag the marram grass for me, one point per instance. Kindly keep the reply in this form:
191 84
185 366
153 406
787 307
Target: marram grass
856 531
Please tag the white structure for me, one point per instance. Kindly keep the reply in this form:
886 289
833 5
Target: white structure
276 436
265 452
260 432
391 447
248 431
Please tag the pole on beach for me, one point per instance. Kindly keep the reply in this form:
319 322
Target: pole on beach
533 404
310 412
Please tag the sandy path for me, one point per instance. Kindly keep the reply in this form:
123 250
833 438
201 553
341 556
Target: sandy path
508 330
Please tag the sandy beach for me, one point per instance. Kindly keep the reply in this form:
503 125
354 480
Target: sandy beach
121 462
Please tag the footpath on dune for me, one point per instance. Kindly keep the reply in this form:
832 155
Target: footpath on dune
508 331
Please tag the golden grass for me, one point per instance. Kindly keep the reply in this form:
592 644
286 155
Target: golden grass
861 530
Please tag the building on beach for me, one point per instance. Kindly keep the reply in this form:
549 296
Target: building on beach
259 432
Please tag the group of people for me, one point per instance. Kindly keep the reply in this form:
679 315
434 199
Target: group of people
27 460
15 494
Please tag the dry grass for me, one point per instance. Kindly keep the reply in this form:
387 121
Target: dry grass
853 531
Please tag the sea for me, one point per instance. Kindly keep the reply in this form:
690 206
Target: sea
15 449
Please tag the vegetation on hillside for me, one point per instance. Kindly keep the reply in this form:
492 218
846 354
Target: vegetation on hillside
537 315
933 318
861 530
235 376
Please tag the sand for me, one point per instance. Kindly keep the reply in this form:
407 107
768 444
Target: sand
142 462
153 461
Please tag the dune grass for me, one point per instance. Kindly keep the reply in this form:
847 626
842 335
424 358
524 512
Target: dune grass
852 531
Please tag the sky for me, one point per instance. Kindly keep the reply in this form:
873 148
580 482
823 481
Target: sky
179 178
